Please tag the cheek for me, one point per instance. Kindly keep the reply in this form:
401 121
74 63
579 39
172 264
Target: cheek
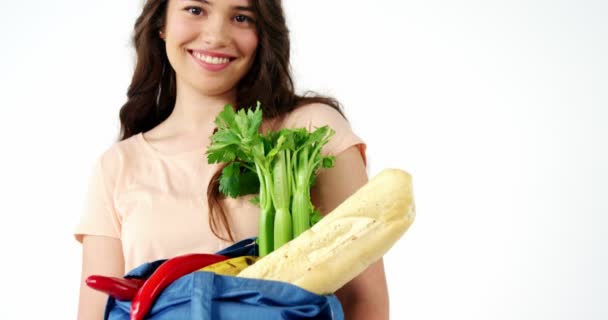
180 31
248 42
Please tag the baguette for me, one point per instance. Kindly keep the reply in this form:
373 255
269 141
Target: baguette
346 241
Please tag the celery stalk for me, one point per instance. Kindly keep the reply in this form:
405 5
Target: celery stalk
281 199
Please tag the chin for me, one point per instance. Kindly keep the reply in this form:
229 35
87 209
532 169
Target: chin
213 91
215 86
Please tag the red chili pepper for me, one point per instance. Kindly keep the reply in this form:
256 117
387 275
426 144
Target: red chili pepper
119 288
164 275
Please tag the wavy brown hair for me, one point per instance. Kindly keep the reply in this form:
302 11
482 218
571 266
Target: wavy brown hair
152 92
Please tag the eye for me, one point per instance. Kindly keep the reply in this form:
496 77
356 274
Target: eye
197 11
241 18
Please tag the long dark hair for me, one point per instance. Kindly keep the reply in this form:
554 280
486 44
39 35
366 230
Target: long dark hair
152 92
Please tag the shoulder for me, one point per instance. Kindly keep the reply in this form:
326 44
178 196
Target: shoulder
118 154
316 108
315 115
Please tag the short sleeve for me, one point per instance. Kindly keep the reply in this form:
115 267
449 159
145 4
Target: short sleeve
316 115
99 215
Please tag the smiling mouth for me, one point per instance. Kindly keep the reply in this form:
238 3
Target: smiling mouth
211 59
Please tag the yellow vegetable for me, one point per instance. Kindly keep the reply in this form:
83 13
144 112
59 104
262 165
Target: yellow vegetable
346 241
231 267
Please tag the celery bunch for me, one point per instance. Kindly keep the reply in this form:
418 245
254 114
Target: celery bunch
279 165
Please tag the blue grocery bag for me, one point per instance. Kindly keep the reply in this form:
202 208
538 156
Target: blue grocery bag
208 296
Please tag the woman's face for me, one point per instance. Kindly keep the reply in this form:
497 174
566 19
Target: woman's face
211 44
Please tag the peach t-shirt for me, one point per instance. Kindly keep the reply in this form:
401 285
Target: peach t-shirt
156 204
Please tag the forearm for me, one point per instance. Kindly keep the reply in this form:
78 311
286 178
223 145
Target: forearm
365 310
366 296
91 304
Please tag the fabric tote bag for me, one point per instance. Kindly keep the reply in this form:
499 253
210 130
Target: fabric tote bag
209 296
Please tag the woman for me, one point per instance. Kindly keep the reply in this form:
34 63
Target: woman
153 196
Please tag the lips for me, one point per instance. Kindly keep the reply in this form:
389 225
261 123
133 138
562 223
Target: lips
211 61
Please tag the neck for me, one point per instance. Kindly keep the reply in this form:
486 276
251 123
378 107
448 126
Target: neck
194 111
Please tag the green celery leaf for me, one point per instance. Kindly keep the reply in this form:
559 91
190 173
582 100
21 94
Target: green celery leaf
320 135
225 136
255 118
315 217
242 123
255 200
288 139
225 119
223 154
237 180
328 162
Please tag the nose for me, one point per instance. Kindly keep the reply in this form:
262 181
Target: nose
215 32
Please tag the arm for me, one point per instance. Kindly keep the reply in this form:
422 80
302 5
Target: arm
366 296
102 256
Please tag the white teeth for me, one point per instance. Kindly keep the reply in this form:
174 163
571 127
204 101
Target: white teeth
209 59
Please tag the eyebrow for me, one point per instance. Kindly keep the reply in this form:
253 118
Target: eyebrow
241 8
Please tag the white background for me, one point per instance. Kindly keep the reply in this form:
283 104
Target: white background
497 108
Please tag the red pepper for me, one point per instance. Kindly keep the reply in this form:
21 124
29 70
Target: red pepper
119 288
164 275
